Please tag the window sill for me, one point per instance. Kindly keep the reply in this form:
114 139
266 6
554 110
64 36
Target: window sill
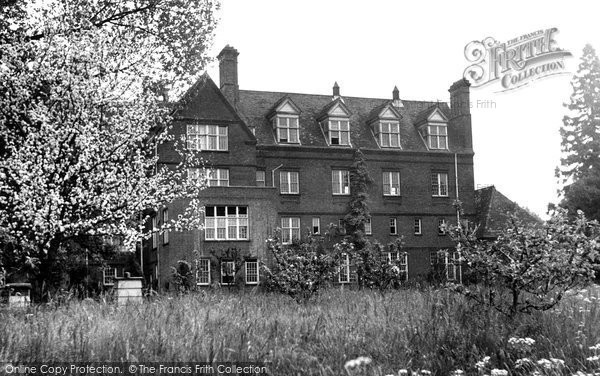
226 240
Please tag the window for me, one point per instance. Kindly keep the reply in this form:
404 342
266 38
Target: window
441 226
339 132
108 276
226 223
391 183
340 182
288 182
344 275
342 226
251 272
368 228
401 260
165 214
389 134
203 272
154 233
316 226
218 177
437 136
287 129
439 184
417 227
433 258
453 267
227 272
206 137
290 229
393 228
260 178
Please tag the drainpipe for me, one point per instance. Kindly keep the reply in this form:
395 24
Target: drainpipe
273 174
457 218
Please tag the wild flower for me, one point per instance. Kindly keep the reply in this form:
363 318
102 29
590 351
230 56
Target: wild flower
425 372
458 372
402 372
594 358
521 344
595 348
545 363
499 372
358 362
482 363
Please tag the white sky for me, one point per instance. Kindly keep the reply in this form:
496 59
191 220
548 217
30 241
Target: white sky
368 47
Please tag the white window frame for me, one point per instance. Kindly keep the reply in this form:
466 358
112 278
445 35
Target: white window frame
453 266
435 133
225 264
345 266
433 258
334 126
289 230
418 226
256 278
316 226
402 257
393 223
261 178
368 227
284 127
391 183
111 276
154 232
339 185
289 182
205 137
442 224
218 177
165 217
214 223
203 272
389 133
439 184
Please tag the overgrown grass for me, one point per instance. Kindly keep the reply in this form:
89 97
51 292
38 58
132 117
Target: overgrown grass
406 329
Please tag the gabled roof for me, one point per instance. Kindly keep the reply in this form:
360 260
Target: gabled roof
493 210
330 107
424 115
284 105
254 105
382 111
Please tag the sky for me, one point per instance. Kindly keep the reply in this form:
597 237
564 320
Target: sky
369 47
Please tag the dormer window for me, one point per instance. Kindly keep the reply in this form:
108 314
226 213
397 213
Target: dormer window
433 126
437 136
389 134
339 132
287 130
385 124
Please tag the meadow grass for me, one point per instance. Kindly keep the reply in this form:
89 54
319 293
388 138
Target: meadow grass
405 329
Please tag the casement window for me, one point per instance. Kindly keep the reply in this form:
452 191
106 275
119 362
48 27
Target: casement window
339 132
368 227
391 183
437 136
417 226
288 182
433 258
203 272
207 137
342 226
400 259
344 270
154 232
439 184
251 272
393 227
165 218
227 272
316 226
260 178
441 226
290 229
287 130
108 276
453 266
226 223
218 177
340 182
389 134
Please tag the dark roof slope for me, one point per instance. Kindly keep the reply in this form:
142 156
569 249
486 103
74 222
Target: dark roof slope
493 210
255 105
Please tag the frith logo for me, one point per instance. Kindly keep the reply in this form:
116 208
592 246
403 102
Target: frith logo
515 63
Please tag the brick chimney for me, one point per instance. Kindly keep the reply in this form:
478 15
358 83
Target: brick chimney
460 102
336 91
228 74
396 102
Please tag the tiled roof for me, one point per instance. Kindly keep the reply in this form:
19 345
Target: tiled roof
493 210
254 106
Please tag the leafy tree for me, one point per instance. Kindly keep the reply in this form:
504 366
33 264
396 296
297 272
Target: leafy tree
81 87
581 137
299 270
183 277
528 269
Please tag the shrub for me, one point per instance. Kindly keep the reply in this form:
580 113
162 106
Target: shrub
183 277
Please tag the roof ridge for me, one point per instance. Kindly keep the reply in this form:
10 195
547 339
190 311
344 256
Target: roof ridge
432 101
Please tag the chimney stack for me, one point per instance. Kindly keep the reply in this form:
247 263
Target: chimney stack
228 74
336 91
460 102
396 102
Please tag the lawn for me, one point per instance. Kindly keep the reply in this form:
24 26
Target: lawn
405 329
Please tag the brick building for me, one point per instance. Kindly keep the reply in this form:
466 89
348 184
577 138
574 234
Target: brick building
283 160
